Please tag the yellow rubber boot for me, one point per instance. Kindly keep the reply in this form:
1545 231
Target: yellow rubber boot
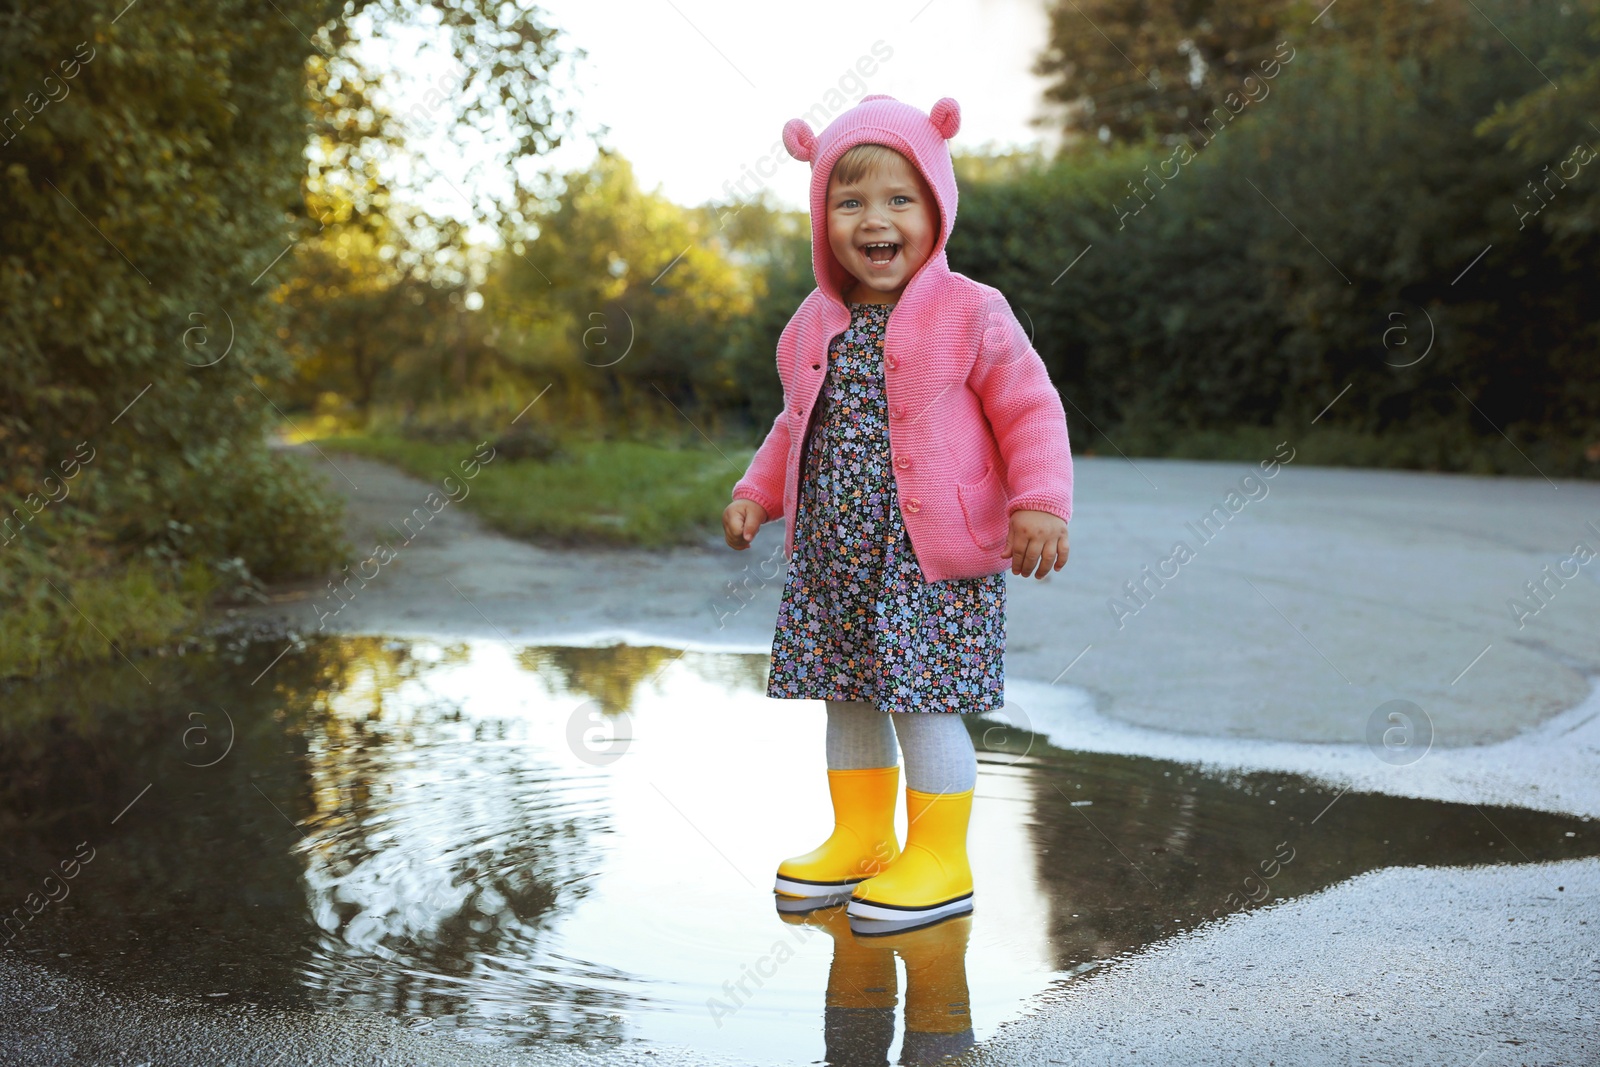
932 878
863 841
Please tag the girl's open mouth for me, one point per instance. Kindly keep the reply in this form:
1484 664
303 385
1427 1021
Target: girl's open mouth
881 254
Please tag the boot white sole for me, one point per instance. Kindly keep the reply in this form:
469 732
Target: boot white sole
795 887
899 913
874 927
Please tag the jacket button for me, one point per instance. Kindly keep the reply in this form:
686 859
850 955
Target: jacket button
897 412
913 505
891 363
902 462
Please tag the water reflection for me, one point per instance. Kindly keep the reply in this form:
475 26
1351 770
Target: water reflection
863 990
441 852
451 833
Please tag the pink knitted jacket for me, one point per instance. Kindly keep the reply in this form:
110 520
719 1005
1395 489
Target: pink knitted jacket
976 429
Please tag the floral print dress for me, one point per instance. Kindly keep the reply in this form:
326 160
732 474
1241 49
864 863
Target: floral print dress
857 621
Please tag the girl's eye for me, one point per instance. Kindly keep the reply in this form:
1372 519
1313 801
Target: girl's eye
900 196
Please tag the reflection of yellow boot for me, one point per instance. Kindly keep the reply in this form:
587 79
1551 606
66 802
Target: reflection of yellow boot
938 1009
932 878
862 974
863 989
863 841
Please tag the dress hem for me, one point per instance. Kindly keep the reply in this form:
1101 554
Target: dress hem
998 703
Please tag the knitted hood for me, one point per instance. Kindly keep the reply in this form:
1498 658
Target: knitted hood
919 137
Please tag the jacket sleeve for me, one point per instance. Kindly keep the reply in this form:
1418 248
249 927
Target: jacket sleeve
763 482
1025 412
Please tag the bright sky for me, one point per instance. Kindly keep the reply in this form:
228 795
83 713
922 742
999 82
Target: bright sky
696 91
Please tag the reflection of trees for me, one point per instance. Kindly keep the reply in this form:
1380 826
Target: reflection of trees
1196 838
610 676
440 852
731 671
367 841
193 886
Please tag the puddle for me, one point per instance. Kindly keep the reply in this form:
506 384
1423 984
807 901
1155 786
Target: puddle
521 846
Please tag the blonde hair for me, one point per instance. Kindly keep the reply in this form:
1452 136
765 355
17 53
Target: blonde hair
861 160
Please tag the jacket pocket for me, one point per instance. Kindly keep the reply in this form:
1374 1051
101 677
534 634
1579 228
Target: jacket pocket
983 503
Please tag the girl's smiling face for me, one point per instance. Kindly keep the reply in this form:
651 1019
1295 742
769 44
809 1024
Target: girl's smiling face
891 206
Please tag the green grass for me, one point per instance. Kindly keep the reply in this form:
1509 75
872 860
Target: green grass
70 600
622 493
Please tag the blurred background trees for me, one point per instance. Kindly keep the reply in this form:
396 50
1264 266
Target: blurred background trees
1321 237
169 171
1390 207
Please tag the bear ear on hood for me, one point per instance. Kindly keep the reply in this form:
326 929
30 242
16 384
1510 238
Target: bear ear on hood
799 140
946 117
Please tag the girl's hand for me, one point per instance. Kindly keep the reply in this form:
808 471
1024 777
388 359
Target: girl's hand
740 520
1038 540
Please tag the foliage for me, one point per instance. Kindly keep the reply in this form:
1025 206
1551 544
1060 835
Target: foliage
632 284
1162 67
70 597
140 210
1313 249
160 163
1545 127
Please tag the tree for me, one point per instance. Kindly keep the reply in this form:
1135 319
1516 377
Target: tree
635 283
1159 68
157 186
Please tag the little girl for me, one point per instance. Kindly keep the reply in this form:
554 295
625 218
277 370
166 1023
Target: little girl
921 448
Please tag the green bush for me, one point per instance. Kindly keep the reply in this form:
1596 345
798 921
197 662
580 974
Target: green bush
1290 257
72 597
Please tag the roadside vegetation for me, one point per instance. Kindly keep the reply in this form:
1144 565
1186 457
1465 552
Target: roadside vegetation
1372 232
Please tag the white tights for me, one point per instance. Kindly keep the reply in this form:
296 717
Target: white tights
939 753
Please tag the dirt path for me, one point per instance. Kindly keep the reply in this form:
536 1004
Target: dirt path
1306 600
